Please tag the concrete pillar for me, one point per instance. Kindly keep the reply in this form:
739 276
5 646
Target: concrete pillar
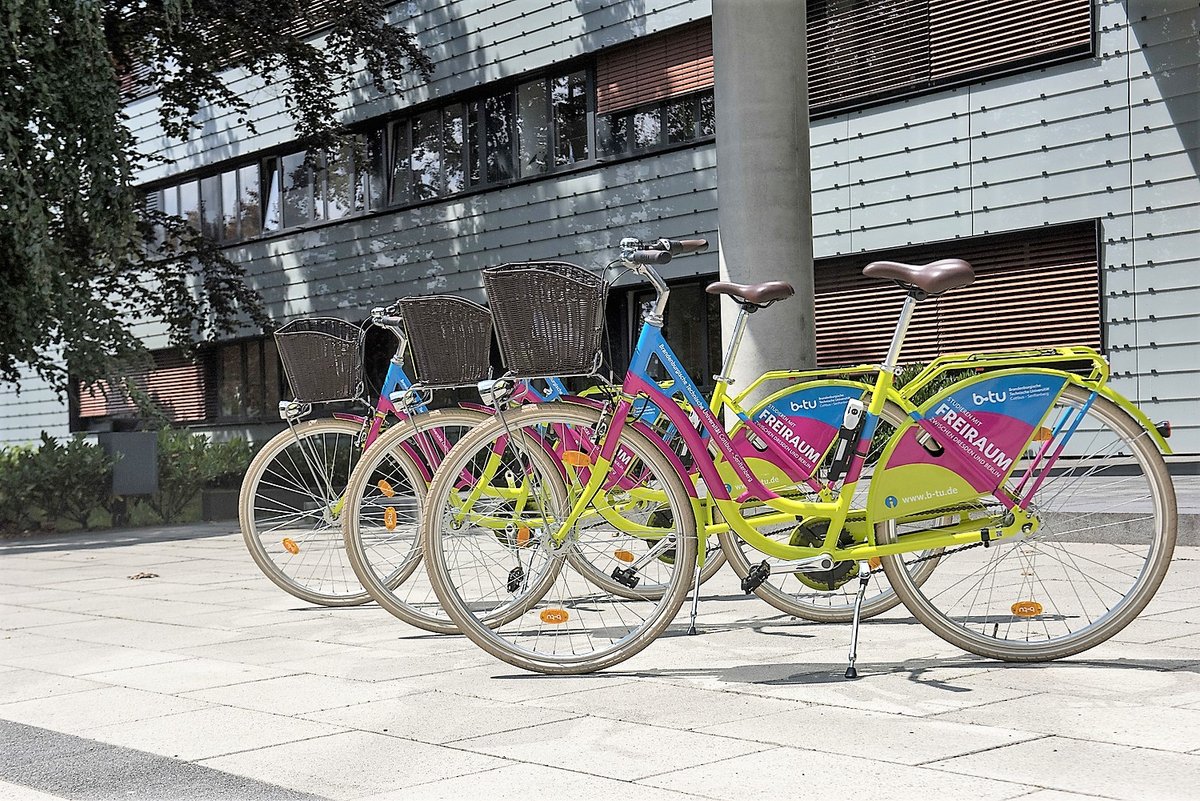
763 184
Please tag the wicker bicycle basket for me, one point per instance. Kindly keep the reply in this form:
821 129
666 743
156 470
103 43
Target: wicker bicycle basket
322 357
549 317
450 339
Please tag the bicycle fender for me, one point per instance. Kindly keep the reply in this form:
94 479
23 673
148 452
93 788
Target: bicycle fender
983 423
1133 411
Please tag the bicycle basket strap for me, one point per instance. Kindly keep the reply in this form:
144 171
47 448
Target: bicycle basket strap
549 317
450 338
322 358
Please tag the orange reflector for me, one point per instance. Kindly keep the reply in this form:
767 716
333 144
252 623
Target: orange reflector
290 545
1026 609
554 616
874 562
386 488
1042 434
624 556
389 518
523 534
576 459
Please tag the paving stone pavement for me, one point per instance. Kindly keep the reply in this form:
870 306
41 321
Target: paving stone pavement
208 682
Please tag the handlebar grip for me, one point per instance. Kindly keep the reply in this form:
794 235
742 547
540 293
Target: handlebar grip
689 245
649 257
394 322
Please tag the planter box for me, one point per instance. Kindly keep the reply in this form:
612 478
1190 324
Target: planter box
219 504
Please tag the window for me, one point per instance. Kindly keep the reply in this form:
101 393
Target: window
860 50
675 121
246 380
1032 288
297 203
249 203
498 138
172 383
426 162
533 128
569 103
454 131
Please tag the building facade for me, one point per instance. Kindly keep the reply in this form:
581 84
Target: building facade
1054 144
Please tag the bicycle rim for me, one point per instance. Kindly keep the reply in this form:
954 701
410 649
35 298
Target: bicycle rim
289 511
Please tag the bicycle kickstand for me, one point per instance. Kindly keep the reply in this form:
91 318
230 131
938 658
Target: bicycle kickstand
864 578
695 599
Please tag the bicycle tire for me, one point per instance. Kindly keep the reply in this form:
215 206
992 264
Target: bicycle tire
1059 550
385 566
285 517
605 628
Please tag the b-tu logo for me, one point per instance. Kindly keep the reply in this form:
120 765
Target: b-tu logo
802 405
991 397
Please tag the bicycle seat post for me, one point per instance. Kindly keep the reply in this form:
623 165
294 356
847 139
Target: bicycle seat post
906 314
735 342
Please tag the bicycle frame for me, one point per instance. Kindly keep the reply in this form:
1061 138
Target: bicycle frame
833 503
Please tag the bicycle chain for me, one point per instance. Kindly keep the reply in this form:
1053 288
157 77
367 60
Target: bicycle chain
937 555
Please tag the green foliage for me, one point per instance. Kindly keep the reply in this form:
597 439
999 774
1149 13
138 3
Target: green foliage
227 463
78 272
16 513
189 462
72 480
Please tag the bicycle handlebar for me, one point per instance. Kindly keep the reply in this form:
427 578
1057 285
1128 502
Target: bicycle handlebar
648 257
642 255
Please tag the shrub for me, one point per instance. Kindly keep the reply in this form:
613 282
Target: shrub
16 512
69 480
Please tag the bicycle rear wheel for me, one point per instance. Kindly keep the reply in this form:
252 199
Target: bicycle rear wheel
828 596
1106 532
289 510
383 500
517 592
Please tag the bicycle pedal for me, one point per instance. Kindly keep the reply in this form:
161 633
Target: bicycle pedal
626 576
756 577
516 577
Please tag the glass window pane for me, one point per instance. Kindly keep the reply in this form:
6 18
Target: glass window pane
568 95
170 205
533 128
254 389
376 169
453 135
612 134
189 203
249 206
210 207
427 155
154 202
271 182
474 160
681 120
647 129
271 366
339 172
708 115
229 216
498 116
229 385
297 190
401 157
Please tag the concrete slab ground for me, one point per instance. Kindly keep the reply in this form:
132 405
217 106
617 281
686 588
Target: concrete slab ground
208 682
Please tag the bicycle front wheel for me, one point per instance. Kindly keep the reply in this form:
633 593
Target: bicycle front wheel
1106 530
383 500
513 586
290 506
